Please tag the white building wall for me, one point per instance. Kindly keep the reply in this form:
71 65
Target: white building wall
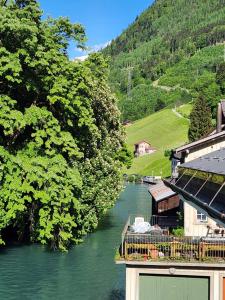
199 152
131 284
192 227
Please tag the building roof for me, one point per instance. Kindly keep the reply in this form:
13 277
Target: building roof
205 193
213 211
160 191
127 122
202 141
213 162
138 143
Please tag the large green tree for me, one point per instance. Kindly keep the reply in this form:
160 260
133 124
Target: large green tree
207 87
60 135
220 77
200 120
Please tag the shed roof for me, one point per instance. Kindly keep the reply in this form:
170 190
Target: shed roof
213 162
160 191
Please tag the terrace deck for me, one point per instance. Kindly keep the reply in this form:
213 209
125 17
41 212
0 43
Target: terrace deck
164 246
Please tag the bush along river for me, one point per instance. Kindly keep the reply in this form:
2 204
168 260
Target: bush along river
87 271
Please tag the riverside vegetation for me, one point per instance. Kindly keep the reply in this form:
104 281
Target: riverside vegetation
62 146
61 142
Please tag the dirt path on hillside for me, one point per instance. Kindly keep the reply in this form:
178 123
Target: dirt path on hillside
168 88
177 113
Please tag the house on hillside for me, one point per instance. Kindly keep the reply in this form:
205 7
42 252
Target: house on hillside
143 148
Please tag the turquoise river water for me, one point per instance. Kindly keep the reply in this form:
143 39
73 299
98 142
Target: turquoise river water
86 272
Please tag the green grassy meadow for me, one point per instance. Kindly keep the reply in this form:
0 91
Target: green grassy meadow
185 110
163 130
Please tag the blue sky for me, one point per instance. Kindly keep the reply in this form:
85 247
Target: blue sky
103 19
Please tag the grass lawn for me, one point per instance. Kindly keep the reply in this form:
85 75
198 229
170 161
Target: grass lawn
163 130
185 110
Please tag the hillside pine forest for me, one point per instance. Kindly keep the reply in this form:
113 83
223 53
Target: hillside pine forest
62 145
172 53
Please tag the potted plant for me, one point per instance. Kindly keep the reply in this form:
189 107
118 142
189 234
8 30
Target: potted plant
154 253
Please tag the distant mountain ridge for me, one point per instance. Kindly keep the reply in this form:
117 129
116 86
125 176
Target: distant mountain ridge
164 35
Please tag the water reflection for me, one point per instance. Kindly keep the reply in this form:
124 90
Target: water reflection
117 294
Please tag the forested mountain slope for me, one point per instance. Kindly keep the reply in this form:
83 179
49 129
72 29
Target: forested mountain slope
161 42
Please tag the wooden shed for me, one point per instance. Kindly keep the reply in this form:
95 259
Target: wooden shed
164 200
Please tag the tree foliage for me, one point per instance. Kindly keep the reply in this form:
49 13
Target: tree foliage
200 120
60 134
220 77
175 42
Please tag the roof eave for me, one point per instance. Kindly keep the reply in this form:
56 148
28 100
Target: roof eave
220 217
199 142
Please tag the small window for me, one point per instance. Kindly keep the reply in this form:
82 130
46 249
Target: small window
202 218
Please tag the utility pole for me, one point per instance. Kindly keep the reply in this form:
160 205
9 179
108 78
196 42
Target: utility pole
129 70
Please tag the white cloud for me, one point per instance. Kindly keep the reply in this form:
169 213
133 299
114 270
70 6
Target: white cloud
79 50
81 58
99 47
91 49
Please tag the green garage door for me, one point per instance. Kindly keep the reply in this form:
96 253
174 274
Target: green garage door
173 288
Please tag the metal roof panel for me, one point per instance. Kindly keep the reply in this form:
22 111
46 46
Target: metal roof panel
213 162
160 191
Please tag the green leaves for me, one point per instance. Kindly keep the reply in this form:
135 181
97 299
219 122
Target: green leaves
11 120
171 43
61 142
10 67
200 120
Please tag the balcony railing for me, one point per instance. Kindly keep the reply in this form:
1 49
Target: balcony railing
159 244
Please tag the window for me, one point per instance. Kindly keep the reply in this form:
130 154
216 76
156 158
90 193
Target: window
202 218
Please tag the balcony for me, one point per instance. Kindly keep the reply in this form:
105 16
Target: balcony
162 244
